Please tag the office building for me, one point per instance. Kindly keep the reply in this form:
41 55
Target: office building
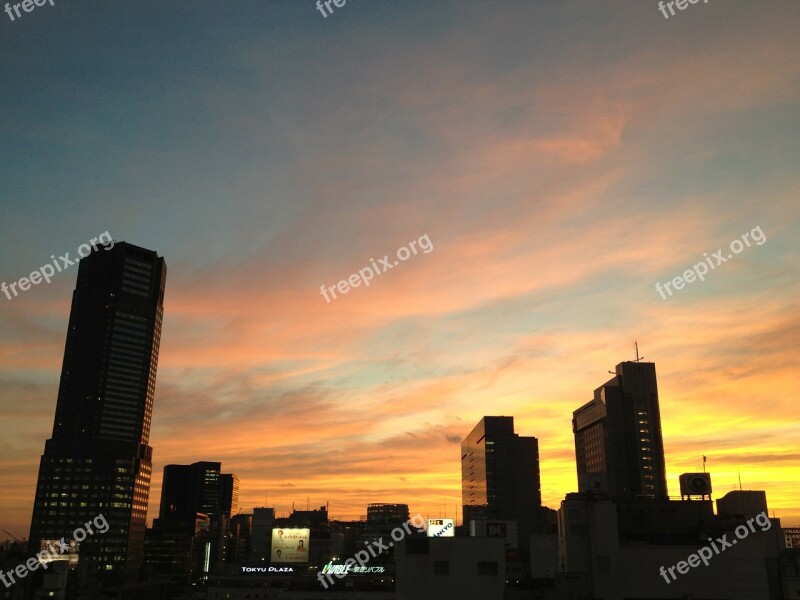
792 537
619 548
241 538
387 516
618 435
261 536
200 489
500 476
175 549
450 568
98 461
742 504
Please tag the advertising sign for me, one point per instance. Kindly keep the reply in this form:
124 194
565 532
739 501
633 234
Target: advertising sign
59 550
441 528
267 570
290 545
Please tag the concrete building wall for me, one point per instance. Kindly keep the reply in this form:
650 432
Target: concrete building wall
450 568
589 543
544 555
738 573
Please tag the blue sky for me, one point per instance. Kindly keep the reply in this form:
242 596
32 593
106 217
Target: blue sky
563 157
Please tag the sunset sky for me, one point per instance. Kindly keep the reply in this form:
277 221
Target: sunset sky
561 157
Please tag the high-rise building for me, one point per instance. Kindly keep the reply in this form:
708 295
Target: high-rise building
229 493
500 475
387 515
175 549
241 537
98 461
618 435
200 488
261 537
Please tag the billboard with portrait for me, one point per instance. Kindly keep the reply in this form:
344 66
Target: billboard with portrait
290 545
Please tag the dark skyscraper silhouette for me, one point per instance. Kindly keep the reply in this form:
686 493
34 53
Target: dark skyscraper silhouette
98 460
500 476
618 433
198 488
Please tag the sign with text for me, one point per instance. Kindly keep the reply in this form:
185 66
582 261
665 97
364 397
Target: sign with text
290 545
441 528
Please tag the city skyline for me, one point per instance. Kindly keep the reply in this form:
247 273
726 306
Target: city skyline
561 170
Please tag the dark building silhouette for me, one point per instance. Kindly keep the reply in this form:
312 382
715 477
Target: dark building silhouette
240 545
228 493
188 491
175 549
618 435
98 460
387 516
261 532
198 488
500 476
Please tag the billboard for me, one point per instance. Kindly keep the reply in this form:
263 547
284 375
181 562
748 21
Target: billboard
290 545
441 528
51 550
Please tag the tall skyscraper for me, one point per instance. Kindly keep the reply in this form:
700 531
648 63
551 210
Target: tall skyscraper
198 488
618 434
500 475
98 460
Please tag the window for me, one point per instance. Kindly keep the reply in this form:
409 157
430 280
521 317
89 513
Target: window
603 564
487 568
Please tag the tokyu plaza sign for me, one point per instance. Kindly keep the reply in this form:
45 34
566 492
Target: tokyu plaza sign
267 570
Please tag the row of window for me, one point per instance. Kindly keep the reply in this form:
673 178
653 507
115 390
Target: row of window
442 567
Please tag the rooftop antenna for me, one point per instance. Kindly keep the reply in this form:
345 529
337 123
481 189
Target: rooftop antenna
704 463
636 345
740 480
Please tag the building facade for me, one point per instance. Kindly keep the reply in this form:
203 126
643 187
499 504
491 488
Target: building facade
200 489
618 435
387 515
500 476
98 460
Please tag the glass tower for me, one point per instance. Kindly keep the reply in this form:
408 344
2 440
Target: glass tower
619 433
500 475
98 461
